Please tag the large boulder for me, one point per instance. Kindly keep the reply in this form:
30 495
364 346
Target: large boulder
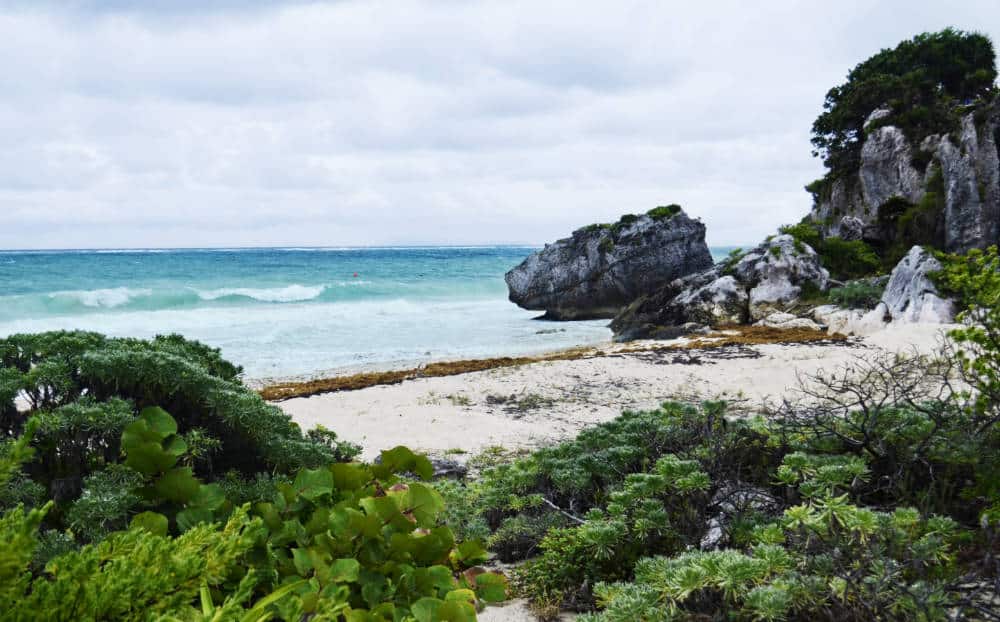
961 168
767 280
602 268
911 296
706 298
775 274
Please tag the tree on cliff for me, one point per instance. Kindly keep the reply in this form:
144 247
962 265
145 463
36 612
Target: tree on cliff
920 82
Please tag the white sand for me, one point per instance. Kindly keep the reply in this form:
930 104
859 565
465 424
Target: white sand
436 415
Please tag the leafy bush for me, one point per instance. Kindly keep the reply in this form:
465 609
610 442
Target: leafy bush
857 295
84 390
844 259
664 212
343 541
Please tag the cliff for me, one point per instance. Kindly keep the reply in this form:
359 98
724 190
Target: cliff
944 191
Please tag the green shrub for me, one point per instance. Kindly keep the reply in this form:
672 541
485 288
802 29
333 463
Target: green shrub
343 541
843 259
857 295
84 390
664 212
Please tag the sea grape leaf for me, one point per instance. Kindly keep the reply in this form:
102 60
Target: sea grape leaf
373 586
153 522
491 587
313 483
159 421
345 570
318 522
188 518
462 595
424 503
175 446
148 458
350 476
303 562
269 515
426 547
470 553
401 460
387 510
178 485
426 609
436 610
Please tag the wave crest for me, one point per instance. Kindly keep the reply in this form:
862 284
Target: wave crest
103 298
291 293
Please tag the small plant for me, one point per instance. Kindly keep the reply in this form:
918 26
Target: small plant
458 399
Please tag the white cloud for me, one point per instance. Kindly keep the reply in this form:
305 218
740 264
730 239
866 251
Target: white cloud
265 123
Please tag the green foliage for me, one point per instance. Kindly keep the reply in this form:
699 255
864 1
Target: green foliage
864 294
84 390
905 225
342 541
664 212
920 81
975 280
843 259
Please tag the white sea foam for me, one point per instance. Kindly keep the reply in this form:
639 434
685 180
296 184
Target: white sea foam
290 293
104 298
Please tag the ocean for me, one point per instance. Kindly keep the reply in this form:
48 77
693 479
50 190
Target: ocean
285 312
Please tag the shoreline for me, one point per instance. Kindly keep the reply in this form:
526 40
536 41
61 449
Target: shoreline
530 405
298 387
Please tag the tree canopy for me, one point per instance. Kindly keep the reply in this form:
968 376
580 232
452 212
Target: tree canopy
920 81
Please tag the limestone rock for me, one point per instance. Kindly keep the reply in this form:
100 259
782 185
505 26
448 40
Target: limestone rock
787 320
851 321
600 269
766 280
910 296
967 161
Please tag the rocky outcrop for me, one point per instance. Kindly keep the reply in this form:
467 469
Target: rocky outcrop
963 166
911 296
602 268
767 280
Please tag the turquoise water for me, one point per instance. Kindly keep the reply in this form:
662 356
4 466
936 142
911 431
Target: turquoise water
294 311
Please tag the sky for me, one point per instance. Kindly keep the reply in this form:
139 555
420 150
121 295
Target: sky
201 123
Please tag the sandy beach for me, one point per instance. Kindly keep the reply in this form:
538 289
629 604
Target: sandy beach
532 405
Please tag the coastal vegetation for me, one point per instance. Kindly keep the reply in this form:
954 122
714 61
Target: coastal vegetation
919 82
874 496
218 509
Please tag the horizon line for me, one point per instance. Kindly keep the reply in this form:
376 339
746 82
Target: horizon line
291 248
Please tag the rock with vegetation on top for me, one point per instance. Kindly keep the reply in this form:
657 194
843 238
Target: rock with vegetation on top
602 268
910 144
743 289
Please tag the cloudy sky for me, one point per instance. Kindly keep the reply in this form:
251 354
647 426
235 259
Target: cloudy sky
253 123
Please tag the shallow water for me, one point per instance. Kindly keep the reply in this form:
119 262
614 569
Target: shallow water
292 311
